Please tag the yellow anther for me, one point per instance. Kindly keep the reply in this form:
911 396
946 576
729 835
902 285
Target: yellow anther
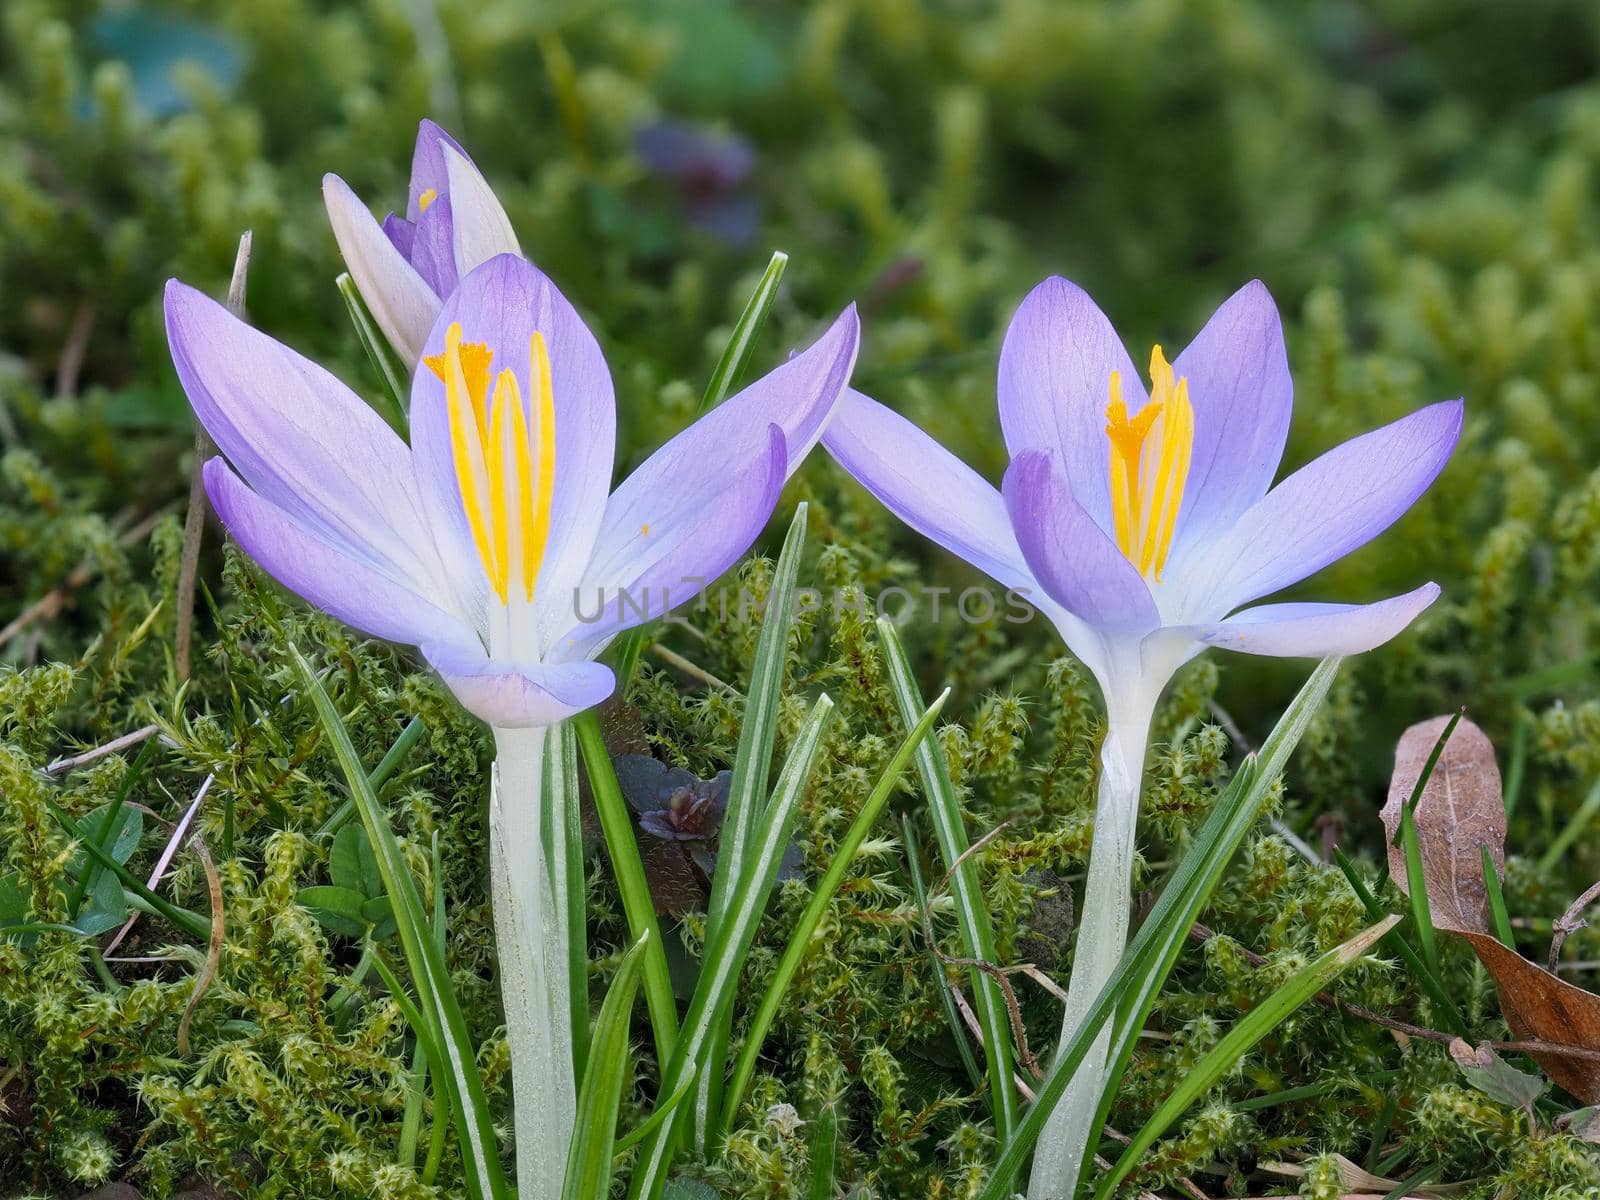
474 358
645 529
1149 464
427 198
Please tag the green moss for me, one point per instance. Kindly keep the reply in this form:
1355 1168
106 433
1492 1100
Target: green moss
1417 187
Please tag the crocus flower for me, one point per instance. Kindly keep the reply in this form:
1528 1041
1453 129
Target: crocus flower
1145 526
492 543
407 266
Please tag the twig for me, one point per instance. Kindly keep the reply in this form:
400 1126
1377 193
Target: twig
52 601
998 973
1570 922
678 661
194 521
970 1018
1525 1046
208 970
74 349
63 766
167 855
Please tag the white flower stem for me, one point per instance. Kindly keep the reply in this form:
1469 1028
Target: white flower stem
532 939
1102 936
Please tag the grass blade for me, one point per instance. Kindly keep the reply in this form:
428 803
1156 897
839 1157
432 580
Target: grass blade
806 927
1497 901
947 999
1417 887
437 1005
600 1099
108 822
1400 946
752 760
1250 1029
824 1148
1131 991
972 913
386 767
562 827
727 949
736 355
388 365
192 923
747 789
637 903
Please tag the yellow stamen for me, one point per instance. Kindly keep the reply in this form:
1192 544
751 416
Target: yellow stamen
472 473
505 495
538 530
507 396
427 198
1147 488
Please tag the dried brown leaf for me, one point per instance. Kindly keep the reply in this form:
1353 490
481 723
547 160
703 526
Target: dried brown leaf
1461 809
1540 1007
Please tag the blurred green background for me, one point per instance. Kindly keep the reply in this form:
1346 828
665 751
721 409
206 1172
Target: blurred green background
1415 181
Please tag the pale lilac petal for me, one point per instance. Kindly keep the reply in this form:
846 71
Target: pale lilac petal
1326 509
299 436
433 253
1238 373
363 593
690 512
482 229
1074 560
1055 383
401 301
502 304
517 695
1317 630
926 486
428 171
797 396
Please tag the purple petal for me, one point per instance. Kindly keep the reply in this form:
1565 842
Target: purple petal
1317 630
1074 560
502 304
401 232
481 228
363 593
300 437
433 253
517 695
1055 384
798 397
1238 373
401 300
926 486
676 524
428 170
1328 508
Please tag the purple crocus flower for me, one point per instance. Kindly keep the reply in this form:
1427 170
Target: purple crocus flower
493 542
1145 526
406 266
